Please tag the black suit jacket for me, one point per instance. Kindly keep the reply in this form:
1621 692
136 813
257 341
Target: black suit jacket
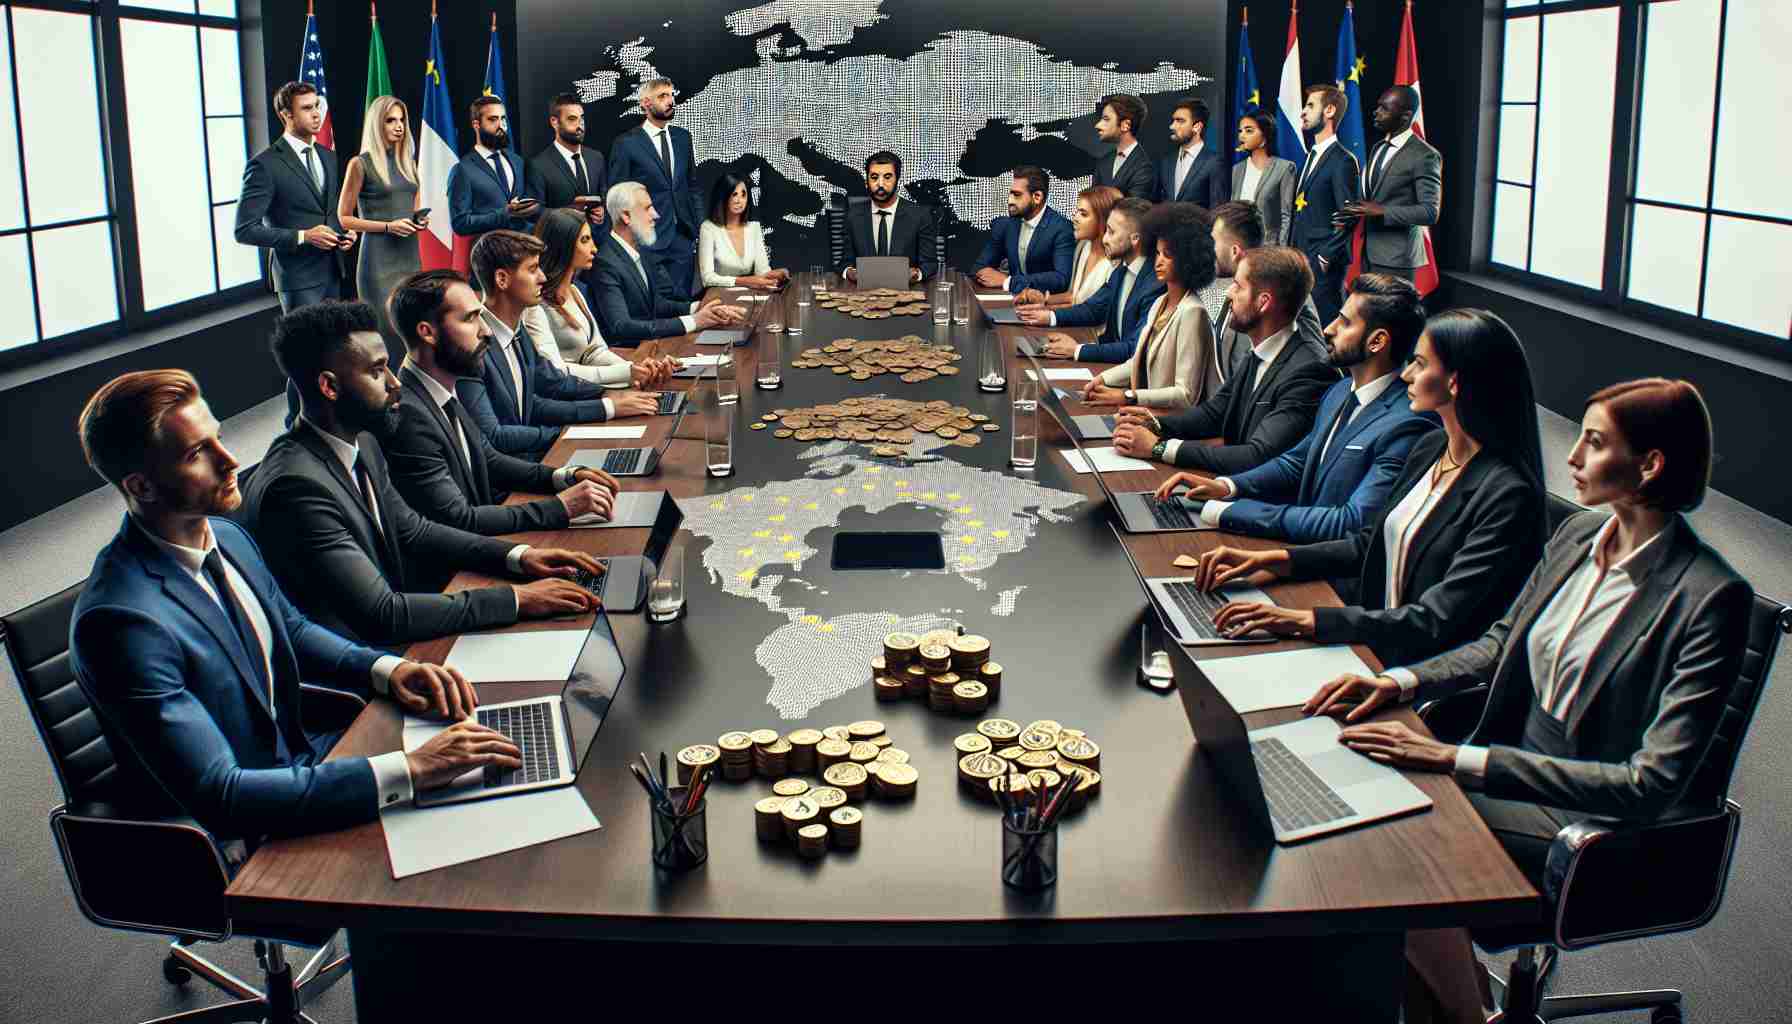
437 480
279 199
1334 181
626 309
1138 175
378 586
1463 568
1208 184
1257 422
912 234
550 180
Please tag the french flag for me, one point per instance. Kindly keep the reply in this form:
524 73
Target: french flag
436 156
1290 144
1406 72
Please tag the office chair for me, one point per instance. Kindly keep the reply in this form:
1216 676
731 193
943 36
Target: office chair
840 206
1596 868
117 830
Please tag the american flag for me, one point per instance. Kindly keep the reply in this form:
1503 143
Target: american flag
311 70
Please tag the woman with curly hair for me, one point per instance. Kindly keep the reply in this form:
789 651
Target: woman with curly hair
1164 371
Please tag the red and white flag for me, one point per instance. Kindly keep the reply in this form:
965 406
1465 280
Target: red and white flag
1406 72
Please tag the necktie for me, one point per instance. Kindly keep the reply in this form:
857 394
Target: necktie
578 174
503 174
1345 411
1117 329
365 481
317 180
1183 163
451 409
883 232
665 153
1026 239
1307 168
239 617
1375 167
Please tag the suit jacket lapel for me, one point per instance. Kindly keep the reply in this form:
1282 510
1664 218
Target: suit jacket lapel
297 166
1383 404
1449 508
371 538
653 154
456 462
1638 618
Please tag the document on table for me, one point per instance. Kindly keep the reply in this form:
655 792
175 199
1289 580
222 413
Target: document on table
708 360
1106 459
602 433
995 297
721 337
1003 315
1282 679
520 656
1080 373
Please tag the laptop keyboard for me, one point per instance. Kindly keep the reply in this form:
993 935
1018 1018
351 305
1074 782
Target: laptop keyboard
592 581
1298 798
670 401
1197 607
531 728
1171 512
623 460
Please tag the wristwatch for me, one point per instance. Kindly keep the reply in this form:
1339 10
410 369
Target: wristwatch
1130 395
1157 450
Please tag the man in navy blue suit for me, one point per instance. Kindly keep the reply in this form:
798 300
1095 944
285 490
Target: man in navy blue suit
659 155
1328 183
1193 172
1121 304
1035 241
193 657
634 301
1339 476
489 189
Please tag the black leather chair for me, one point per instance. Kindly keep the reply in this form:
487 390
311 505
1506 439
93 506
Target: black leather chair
134 861
839 205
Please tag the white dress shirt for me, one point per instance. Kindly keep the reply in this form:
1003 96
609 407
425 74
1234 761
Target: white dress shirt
586 354
504 336
1403 524
391 772
1265 352
1385 153
300 148
1027 227
503 166
1185 162
720 265
1120 156
1086 280
689 322
653 139
1253 180
567 155
1132 270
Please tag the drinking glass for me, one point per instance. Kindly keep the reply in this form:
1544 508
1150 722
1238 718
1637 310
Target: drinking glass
769 376
718 437
823 281
665 592
1023 424
800 319
805 291
942 301
961 306
774 313
727 386
992 363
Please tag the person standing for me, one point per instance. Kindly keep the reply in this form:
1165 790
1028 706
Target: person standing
1330 181
660 156
1264 178
1128 167
487 190
1193 172
288 203
568 172
379 199
1403 190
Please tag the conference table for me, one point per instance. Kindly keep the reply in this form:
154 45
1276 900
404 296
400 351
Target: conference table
1163 878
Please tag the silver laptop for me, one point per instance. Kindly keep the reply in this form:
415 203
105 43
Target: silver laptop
883 272
1188 611
1296 779
629 461
539 728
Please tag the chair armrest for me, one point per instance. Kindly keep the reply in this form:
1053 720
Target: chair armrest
1453 717
327 709
1596 870
161 875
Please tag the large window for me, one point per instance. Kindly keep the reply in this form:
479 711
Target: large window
122 144
1639 158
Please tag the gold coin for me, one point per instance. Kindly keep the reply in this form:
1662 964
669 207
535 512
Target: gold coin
790 787
892 755
1079 748
699 754
735 741
771 417
837 732
827 796
936 652
947 432
998 729
1043 778
800 808
898 775
846 817
805 737
969 644
864 752
971 743
865 729
812 833
764 737
831 747
983 765
1010 753
978 417
783 432
770 805
1037 759
880 742
940 637
1038 739
1047 725
756 426
846 775
991 428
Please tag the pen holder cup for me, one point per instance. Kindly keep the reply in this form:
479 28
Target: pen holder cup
680 844
1029 856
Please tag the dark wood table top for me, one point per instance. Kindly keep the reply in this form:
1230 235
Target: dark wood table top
1161 853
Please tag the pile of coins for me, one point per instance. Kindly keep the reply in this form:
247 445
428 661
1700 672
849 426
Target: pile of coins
1003 755
893 421
875 303
910 356
948 669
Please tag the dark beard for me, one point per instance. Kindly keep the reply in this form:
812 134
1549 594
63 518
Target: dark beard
572 141
461 362
494 140
381 421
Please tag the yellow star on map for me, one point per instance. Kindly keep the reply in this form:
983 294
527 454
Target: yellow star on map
1300 202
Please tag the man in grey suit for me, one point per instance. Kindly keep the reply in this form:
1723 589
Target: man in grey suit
1403 188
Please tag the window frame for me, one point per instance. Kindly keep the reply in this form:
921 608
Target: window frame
1621 195
120 196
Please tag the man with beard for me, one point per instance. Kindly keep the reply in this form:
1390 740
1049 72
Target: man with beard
338 535
634 300
1403 189
1121 304
661 157
193 657
1127 167
487 189
887 226
1036 241
1329 183
1339 476
1193 172
569 173
1264 407
443 465
1237 229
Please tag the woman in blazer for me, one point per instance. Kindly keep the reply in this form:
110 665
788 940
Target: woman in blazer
1177 337
731 249
1463 524
1607 678
1264 178
562 326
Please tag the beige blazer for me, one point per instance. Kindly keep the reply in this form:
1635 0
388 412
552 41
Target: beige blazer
1172 358
1081 289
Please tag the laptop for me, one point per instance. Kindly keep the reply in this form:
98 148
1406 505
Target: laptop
1188 610
883 272
623 585
628 461
670 402
539 728
1296 780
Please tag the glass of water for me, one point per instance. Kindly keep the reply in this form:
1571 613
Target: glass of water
769 374
727 386
992 363
1023 424
942 301
800 319
718 436
665 592
961 306
774 313
820 279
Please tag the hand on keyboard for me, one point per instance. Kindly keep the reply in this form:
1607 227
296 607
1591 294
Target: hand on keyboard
587 498
1194 486
1396 743
546 599
458 749
1240 618
541 562
1353 696
1224 565
433 690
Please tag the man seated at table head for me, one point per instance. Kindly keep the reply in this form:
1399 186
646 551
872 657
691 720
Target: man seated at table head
1119 307
1339 475
1035 242
635 300
887 226
1268 401
342 540
193 657
442 464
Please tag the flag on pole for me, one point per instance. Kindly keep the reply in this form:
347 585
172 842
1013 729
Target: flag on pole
1246 96
379 80
311 69
436 156
1290 145
1406 72
494 71
1349 75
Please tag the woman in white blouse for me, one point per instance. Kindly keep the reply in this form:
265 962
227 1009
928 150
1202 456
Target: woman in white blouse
562 327
1264 178
1177 338
1091 266
731 249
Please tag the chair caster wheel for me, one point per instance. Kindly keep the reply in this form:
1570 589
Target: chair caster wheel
1666 1015
175 971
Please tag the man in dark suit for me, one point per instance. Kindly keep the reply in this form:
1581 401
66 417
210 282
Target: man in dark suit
1267 403
193 658
1238 228
1193 172
443 466
1403 189
1121 304
568 172
1127 167
1036 242
887 226
1329 182
634 301
342 540
660 156
1339 476
488 190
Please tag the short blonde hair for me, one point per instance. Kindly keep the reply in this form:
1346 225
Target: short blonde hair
122 422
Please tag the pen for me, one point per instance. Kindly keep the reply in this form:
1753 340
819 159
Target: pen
642 779
665 779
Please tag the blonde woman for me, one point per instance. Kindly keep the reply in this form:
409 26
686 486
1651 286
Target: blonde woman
379 200
1090 269
1164 371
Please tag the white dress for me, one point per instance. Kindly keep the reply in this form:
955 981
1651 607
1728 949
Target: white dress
717 262
575 345
1087 285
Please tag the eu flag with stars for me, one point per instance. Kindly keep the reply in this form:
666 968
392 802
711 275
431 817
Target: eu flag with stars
494 75
311 71
1350 74
1246 95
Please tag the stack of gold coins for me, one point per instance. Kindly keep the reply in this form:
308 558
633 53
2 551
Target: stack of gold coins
1030 759
970 698
693 757
936 658
771 754
812 841
1080 750
837 732
899 649
971 743
790 787
863 752
990 675
868 729
830 752
768 818
914 681
844 827
885 688
1011 752
798 811
896 781
849 778
943 637
969 654
939 691
977 769
1041 735
827 797
802 750
891 755
880 666
999 731
737 755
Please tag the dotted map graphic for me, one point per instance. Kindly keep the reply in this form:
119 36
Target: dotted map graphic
758 543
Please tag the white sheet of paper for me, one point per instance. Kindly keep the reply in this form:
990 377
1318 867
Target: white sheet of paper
602 433
1106 459
1280 679
995 297
708 360
1080 373
720 337
517 657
